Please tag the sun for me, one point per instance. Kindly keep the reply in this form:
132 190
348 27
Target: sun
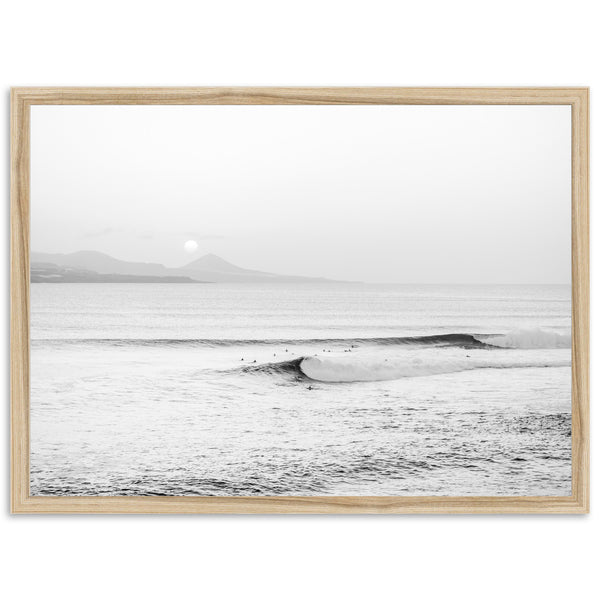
191 246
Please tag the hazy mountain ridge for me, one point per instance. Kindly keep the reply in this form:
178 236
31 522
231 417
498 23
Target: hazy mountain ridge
51 273
214 268
99 262
208 268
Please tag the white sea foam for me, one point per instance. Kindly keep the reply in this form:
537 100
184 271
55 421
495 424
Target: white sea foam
529 339
346 370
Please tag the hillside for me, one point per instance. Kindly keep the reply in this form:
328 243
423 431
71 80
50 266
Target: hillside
208 268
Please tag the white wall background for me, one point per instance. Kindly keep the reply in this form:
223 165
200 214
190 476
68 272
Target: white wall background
123 42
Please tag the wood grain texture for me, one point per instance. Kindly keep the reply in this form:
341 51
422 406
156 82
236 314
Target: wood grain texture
21 101
300 95
19 300
302 504
580 282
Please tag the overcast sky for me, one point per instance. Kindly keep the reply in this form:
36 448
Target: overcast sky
407 194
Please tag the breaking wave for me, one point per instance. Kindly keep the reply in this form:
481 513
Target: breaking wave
528 339
525 338
345 370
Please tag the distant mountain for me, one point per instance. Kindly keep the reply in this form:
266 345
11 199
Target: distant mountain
99 262
209 268
212 262
51 273
214 268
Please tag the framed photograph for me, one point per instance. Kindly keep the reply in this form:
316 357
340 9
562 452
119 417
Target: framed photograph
299 300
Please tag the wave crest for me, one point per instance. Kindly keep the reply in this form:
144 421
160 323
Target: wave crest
522 338
528 339
351 370
346 371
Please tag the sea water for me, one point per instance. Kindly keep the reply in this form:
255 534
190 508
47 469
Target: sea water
300 389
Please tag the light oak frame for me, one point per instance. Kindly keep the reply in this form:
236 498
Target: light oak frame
21 101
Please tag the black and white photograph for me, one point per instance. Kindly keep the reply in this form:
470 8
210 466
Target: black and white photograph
300 300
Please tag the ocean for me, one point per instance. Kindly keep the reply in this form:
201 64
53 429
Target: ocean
300 389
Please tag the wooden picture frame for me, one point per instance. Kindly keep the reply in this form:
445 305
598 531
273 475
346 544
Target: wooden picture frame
21 101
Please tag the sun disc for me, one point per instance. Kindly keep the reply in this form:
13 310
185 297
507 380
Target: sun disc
191 246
